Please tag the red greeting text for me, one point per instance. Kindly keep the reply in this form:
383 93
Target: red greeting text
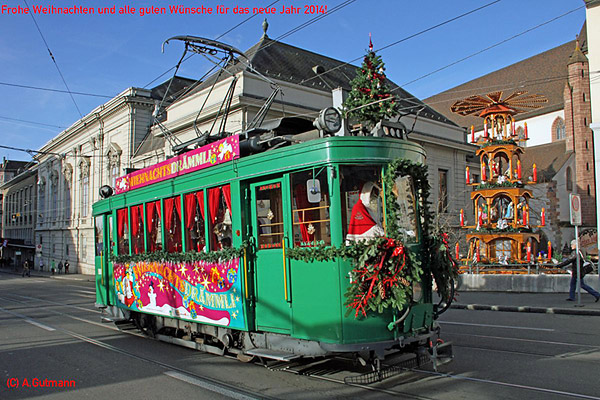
175 9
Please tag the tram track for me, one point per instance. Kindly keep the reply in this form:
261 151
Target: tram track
323 374
172 371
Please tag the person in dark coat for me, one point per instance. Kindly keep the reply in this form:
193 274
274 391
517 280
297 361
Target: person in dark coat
66 266
572 263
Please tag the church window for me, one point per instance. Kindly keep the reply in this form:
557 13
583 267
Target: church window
569 179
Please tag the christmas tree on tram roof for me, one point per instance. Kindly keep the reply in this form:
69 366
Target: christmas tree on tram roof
502 232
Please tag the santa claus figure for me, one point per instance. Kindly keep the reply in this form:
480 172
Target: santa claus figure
128 285
363 224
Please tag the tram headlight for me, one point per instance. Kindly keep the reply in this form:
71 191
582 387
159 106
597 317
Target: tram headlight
417 290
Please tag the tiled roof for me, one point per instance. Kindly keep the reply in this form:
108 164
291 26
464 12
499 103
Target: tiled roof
280 61
544 74
549 158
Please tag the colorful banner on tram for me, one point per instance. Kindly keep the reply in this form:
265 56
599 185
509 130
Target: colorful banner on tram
196 291
206 156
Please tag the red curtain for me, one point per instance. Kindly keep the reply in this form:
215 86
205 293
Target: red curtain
150 216
136 216
200 196
121 221
227 195
190 210
169 213
213 202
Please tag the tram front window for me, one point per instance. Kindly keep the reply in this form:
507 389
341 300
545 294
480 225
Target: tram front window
310 193
362 205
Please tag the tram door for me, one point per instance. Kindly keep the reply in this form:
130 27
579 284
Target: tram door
269 228
101 259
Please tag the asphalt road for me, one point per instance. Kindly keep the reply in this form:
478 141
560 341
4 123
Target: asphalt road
50 332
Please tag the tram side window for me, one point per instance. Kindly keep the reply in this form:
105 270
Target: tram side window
310 208
153 226
362 206
219 208
122 231
194 221
404 191
137 229
99 233
173 240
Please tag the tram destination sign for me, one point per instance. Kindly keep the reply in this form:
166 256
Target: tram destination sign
219 152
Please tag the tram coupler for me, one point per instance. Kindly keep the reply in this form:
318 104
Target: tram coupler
440 353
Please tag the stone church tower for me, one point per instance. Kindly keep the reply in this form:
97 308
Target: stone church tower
578 116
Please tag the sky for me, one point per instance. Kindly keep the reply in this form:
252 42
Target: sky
104 54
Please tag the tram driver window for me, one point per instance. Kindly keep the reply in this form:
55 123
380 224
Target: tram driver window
362 206
310 208
194 221
122 231
173 240
404 191
219 208
153 226
137 229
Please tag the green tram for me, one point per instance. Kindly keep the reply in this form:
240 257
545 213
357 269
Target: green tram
200 256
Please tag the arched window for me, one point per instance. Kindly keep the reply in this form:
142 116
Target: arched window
42 199
569 179
84 166
559 128
114 162
54 194
68 176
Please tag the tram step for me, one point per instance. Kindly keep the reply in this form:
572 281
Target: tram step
272 354
125 325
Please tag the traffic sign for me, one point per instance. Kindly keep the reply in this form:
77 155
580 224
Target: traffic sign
575 207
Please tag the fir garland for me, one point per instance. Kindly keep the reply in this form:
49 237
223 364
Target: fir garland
493 185
498 142
190 256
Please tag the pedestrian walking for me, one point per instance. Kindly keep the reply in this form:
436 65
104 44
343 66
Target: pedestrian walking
52 265
66 267
572 263
41 264
26 269
60 267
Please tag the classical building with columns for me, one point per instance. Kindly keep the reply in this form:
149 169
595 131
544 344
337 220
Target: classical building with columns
72 167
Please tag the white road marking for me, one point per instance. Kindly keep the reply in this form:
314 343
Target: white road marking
497 326
28 320
514 385
205 385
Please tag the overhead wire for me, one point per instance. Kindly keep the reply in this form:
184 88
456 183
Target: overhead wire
54 60
406 38
492 46
55 90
